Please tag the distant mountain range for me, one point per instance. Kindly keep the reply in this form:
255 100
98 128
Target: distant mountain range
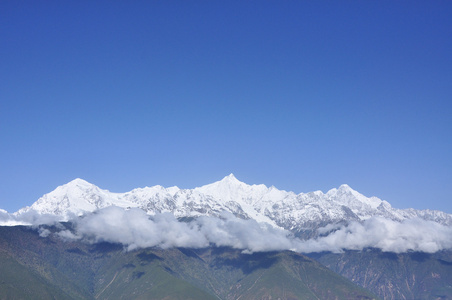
298 213
171 243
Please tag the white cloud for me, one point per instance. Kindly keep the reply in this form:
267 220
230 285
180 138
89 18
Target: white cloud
29 218
135 229
387 235
244 234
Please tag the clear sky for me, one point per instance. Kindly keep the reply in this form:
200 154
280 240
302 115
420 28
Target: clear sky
302 95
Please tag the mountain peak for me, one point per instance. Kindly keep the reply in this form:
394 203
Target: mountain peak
268 205
227 188
227 182
230 178
79 182
345 187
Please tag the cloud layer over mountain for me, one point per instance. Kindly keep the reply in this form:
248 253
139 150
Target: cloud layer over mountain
135 229
387 235
217 214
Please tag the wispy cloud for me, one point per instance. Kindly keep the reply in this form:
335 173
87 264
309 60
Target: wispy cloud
387 235
135 229
30 218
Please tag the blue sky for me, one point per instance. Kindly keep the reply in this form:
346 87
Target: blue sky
302 95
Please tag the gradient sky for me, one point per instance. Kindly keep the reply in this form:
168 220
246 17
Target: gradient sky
302 95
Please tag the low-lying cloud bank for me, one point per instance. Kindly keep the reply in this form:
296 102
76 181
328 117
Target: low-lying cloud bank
387 235
135 229
30 218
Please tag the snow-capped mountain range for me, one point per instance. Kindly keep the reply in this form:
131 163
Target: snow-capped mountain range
295 212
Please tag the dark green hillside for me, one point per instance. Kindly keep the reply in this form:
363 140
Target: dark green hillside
49 267
45 258
269 275
290 276
395 276
83 271
143 275
19 282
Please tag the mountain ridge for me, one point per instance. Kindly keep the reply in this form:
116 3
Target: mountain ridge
346 231
279 208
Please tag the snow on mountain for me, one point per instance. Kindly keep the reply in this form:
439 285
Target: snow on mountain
295 212
76 197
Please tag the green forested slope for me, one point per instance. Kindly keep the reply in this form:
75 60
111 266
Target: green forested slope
48 268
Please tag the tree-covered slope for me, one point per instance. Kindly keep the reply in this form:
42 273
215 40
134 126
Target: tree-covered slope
412 275
51 267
